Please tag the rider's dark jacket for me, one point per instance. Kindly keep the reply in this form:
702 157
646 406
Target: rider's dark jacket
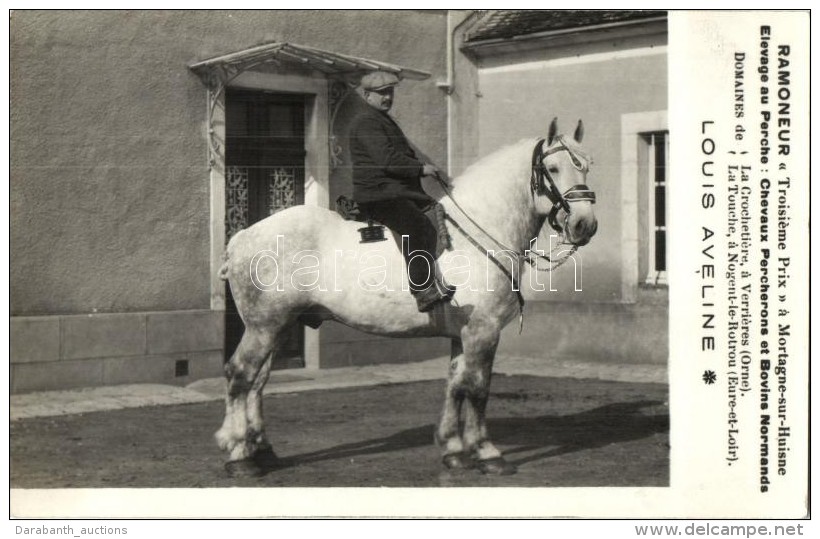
385 167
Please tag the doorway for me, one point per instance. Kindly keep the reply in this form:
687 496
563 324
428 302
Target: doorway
264 174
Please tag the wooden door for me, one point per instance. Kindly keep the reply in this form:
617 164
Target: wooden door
265 173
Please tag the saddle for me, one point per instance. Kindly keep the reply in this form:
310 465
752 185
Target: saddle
374 231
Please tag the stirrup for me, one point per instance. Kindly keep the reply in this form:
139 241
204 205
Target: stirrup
445 289
437 292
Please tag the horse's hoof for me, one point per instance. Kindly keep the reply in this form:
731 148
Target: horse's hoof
244 468
265 458
458 461
496 466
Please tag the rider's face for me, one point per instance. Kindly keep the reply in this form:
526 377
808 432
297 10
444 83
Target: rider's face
380 99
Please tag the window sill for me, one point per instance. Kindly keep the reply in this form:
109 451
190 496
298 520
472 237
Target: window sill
655 280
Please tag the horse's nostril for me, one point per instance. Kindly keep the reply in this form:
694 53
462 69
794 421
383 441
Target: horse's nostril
584 230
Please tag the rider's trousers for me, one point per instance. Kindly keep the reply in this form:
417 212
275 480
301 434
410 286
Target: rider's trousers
407 219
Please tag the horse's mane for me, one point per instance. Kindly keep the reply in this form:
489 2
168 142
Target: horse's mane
501 161
495 190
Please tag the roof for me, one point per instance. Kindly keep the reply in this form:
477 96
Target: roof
511 24
329 63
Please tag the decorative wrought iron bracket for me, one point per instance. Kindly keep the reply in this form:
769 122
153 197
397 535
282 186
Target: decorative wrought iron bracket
339 90
217 78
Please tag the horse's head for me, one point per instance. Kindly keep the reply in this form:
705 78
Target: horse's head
559 185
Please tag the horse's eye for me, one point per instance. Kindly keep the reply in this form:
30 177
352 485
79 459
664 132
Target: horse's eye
553 169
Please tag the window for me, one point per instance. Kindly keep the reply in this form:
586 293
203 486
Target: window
657 167
641 134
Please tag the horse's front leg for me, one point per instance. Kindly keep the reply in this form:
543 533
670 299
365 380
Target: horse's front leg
448 433
480 343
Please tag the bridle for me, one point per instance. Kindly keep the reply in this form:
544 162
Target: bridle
542 183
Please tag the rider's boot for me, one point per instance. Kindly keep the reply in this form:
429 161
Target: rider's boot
438 292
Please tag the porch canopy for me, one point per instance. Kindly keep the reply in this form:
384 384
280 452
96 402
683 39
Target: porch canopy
327 62
218 72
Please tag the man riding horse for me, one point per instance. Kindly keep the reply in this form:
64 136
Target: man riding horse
535 180
387 186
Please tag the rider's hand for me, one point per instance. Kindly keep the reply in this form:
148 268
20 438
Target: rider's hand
429 170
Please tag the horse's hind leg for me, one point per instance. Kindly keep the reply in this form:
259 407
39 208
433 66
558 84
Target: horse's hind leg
242 433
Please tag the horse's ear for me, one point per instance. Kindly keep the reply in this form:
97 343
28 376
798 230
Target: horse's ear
553 131
579 132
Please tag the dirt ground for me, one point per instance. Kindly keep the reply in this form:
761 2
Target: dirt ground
560 432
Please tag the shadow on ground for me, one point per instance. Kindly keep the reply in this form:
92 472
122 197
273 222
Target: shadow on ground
559 431
547 436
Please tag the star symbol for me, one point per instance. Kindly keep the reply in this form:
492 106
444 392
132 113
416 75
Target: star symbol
709 377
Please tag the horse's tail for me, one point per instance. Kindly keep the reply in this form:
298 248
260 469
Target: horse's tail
226 255
223 270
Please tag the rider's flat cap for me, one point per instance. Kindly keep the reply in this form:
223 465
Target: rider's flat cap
379 80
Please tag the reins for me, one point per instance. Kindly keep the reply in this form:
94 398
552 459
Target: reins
500 266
